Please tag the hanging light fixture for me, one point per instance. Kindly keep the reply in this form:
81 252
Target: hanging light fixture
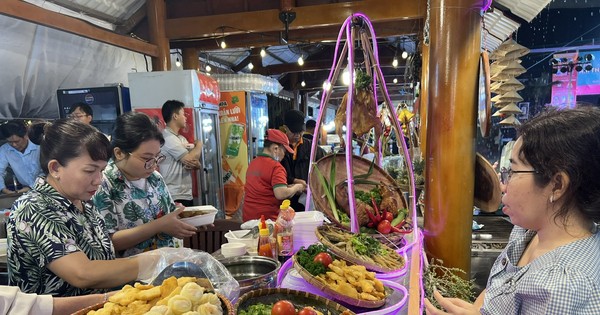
303 83
395 80
263 53
223 43
177 62
301 60
251 66
208 68
404 54
326 85
395 62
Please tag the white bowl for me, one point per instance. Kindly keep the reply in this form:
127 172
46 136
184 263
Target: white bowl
233 249
248 241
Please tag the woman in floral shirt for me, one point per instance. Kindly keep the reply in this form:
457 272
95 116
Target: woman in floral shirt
57 241
133 198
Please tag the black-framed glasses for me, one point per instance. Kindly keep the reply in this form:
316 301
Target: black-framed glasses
506 174
151 162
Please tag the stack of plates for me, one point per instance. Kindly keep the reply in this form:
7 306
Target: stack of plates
305 224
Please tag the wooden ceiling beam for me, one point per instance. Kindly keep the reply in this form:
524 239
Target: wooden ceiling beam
307 17
318 65
324 34
37 15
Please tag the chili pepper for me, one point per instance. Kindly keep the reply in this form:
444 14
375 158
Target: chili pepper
370 224
397 230
371 217
377 214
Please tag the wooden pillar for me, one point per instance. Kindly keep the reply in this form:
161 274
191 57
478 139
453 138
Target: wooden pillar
157 14
450 155
190 59
424 96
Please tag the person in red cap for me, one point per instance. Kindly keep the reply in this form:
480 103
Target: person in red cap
266 179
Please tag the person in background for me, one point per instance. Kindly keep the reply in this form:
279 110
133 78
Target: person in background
57 240
310 129
82 112
133 198
552 195
179 160
21 155
266 183
297 162
15 302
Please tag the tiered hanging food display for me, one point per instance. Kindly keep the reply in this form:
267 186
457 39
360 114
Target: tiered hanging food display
355 193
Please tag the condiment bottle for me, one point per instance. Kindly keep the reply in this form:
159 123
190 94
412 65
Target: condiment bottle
264 243
283 231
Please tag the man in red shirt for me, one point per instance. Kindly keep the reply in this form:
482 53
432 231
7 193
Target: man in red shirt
266 179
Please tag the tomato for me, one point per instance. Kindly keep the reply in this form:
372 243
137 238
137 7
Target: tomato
323 258
283 307
384 227
388 216
307 311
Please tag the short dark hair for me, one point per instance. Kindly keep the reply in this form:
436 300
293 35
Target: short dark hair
566 141
311 124
87 109
14 128
35 132
67 139
132 129
169 108
294 120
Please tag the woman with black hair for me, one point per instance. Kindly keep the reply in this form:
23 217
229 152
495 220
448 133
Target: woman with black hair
133 198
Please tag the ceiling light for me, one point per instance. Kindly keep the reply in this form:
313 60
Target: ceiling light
303 83
177 62
208 68
404 55
326 85
301 61
263 53
251 66
223 44
395 80
395 62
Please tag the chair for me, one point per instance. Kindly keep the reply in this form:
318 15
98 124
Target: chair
213 237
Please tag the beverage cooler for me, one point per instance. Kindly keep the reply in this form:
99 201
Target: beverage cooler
107 103
201 96
244 119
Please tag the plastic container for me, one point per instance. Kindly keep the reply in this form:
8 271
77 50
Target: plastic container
283 231
233 249
206 215
250 242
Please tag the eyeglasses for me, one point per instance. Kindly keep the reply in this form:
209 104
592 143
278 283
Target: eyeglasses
151 162
506 174
77 116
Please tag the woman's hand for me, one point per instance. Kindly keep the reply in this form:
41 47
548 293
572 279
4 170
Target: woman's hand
172 225
452 306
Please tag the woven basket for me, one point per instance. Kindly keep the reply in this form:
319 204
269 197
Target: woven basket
355 260
336 295
359 166
300 300
225 304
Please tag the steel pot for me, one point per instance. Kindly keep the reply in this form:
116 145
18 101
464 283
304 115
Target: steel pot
253 272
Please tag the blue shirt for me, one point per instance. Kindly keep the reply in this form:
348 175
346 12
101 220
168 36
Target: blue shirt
25 166
565 280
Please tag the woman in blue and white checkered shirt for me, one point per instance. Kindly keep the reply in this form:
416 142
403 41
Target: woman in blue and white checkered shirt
551 264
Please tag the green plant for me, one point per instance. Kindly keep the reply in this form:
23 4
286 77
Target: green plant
447 281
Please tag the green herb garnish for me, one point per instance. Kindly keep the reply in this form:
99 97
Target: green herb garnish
306 256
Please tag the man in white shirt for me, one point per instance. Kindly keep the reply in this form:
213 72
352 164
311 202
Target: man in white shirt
181 156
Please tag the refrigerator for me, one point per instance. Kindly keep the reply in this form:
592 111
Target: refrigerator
201 95
243 122
107 102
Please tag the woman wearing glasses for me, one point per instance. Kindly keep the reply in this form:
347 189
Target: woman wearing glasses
552 195
133 198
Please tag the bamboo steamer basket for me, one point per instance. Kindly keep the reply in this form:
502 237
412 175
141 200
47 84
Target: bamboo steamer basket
299 298
359 166
225 304
355 260
336 295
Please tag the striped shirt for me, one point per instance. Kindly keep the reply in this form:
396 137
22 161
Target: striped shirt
565 280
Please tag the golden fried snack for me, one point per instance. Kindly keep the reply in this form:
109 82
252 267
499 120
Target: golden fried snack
180 304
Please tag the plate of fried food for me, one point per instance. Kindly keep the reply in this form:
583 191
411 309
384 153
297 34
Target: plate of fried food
345 282
360 249
199 215
173 296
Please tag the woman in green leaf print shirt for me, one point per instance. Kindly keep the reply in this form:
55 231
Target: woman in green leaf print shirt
133 198
57 241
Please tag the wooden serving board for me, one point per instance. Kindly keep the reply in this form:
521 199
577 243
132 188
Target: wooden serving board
336 295
356 260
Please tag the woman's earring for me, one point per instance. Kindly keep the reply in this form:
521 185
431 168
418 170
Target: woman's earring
551 198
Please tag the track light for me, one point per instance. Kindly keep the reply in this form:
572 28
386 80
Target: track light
301 61
223 43
395 62
263 53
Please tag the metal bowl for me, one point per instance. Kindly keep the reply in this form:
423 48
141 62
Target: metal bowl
253 272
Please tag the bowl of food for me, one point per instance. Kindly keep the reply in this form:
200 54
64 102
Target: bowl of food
233 249
199 215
